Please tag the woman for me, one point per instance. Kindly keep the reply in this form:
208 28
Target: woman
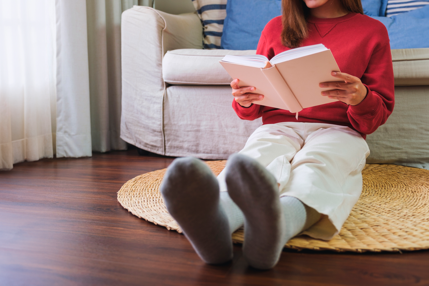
294 176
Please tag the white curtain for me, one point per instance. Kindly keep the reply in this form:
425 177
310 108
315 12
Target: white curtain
60 78
104 47
27 81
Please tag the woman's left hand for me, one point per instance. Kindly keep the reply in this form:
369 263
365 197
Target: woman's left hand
349 90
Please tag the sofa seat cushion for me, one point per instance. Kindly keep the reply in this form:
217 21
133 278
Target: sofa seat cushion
201 67
404 138
411 66
197 67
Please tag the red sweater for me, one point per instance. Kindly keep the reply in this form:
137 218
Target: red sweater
361 48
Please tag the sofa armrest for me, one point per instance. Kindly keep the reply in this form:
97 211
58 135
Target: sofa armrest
147 34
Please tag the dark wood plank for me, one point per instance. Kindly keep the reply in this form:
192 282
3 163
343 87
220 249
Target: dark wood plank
61 224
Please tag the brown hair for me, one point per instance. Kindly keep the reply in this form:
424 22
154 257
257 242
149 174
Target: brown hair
294 19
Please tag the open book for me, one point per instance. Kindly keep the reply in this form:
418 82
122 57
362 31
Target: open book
290 80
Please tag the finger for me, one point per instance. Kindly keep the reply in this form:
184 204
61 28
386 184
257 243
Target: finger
345 76
268 65
334 92
335 84
247 89
345 100
234 84
341 98
249 96
243 90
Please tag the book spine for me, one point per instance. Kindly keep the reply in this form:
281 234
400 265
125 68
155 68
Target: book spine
282 88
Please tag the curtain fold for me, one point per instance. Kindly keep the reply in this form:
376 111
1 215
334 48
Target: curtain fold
94 27
27 81
60 78
73 97
104 48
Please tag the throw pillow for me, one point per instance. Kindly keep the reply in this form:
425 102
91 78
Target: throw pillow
245 20
212 15
374 7
395 7
408 30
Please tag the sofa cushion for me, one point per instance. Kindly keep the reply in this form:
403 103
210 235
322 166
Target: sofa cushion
395 7
201 67
245 20
408 30
197 67
404 138
212 14
374 7
411 66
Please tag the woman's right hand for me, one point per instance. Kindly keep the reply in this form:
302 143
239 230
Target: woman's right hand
243 96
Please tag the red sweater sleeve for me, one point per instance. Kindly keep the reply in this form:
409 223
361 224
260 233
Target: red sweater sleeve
255 111
247 113
374 110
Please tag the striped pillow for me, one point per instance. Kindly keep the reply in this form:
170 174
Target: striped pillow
212 14
395 7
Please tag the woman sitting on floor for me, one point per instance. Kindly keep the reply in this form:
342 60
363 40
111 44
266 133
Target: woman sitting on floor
294 176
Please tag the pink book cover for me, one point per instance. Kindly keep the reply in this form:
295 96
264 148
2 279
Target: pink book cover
291 85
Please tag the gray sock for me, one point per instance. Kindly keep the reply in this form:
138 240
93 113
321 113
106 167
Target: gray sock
269 222
191 194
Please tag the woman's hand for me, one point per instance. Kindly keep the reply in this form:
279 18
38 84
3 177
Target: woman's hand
350 90
242 95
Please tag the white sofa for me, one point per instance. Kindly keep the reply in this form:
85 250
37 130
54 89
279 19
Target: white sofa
176 99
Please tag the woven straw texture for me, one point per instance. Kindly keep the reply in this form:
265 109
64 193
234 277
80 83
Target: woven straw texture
392 213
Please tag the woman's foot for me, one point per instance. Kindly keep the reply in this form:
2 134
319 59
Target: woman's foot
191 194
255 191
270 221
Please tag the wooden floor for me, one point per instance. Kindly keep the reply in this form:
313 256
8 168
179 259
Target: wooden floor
61 224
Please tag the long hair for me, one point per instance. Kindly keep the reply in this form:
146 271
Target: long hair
294 18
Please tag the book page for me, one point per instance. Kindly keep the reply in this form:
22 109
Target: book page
298 53
282 89
253 76
304 74
251 61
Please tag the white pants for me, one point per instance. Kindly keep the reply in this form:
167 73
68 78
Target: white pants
319 164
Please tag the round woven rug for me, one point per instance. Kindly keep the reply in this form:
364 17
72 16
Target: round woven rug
392 213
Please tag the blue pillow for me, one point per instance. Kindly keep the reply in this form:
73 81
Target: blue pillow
395 7
245 20
374 7
408 30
